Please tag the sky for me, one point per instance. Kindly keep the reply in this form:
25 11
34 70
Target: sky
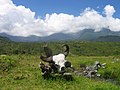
46 17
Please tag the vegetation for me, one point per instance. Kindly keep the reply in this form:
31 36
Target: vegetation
27 75
19 68
76 47
6 63
109 38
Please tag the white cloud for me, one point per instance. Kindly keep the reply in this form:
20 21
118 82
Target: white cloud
21 21
109 10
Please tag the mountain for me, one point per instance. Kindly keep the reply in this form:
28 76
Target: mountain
109 38
90 34
4 39
53 37
83 35
20 38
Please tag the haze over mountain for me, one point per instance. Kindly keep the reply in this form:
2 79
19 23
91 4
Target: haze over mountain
84 35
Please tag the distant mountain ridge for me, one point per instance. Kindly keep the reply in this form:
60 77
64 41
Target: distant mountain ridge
89 34
109 38
5 39
84 35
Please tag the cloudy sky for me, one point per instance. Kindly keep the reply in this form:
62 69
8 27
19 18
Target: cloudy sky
46 17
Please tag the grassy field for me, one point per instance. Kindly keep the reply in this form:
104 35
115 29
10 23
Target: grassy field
22 72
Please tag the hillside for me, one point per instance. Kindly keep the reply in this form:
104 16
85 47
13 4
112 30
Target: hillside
82 35
91 35
109 38
4 39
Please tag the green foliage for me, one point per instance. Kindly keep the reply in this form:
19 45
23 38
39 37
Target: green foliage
6 63
76 48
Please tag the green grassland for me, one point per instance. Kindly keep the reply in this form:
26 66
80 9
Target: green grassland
19 66
22 72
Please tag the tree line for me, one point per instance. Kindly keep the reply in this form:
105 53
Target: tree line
81 48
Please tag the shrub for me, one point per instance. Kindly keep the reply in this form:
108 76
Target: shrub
6 63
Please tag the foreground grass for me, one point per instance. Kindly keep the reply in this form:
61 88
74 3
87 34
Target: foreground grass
26 75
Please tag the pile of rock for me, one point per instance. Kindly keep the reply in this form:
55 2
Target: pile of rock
91 71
